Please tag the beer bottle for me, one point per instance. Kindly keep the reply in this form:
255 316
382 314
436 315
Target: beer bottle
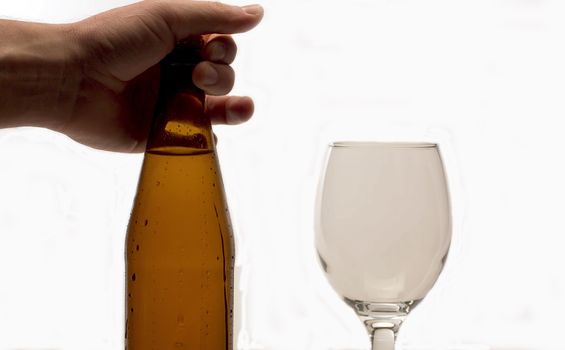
179 245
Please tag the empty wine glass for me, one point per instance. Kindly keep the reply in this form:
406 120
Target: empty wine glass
383 229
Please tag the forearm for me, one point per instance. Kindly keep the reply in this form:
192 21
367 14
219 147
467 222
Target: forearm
39 74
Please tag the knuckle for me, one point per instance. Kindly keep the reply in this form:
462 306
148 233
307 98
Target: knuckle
164 11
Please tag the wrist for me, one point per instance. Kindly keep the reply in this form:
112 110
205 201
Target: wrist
40 74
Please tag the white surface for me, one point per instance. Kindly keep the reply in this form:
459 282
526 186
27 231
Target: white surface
485 78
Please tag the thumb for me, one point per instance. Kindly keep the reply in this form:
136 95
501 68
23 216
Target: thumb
130 39
186 18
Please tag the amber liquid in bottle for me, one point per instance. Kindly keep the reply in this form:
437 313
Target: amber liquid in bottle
179 257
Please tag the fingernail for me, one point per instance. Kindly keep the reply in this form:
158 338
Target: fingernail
210 75
217 51
233 117
253 9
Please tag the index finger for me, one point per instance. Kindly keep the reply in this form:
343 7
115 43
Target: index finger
186 18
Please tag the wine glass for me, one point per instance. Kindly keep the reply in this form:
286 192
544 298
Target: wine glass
383 229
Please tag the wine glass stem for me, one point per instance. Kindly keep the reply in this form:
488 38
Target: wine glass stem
383 339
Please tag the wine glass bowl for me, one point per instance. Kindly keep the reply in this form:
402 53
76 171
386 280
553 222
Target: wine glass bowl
383 229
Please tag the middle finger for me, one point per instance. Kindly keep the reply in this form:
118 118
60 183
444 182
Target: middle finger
213 78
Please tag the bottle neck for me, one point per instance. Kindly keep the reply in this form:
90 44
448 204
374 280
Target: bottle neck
180 124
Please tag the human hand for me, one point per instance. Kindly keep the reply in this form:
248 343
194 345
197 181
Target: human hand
122 48
106 73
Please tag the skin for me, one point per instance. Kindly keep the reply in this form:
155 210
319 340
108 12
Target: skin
97 80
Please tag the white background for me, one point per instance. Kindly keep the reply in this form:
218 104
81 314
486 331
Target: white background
485 78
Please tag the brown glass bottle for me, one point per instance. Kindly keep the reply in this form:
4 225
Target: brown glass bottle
180 251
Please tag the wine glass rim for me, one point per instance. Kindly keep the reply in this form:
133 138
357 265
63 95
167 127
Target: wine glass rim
381 144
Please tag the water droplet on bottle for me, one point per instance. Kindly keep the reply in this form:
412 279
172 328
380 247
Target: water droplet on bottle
131 310
137 247
179 344
146 222
158 183
180 320
133 277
